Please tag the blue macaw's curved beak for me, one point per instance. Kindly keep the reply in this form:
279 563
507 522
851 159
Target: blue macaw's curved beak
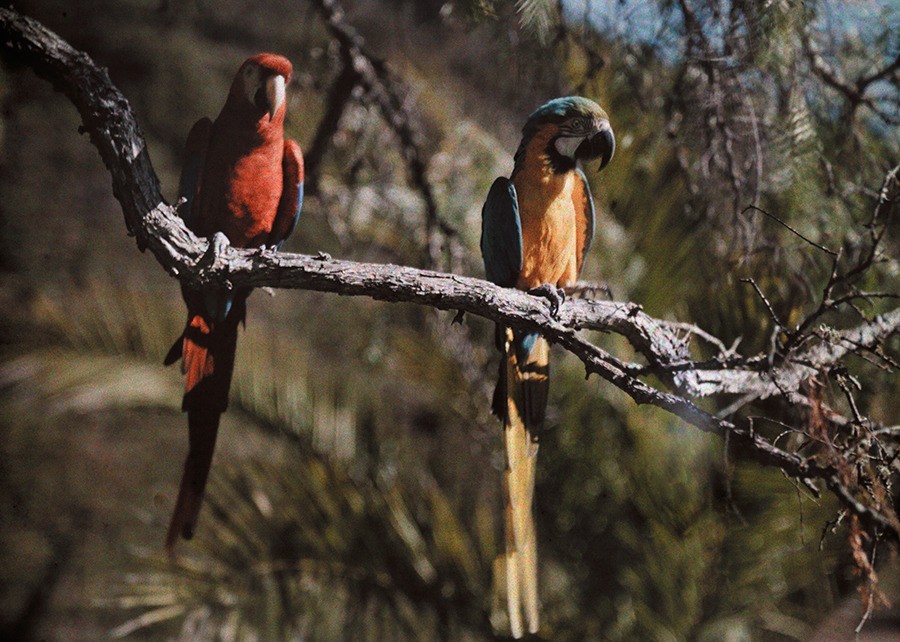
600 145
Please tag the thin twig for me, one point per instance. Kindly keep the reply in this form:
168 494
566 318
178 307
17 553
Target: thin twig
778 324
775 218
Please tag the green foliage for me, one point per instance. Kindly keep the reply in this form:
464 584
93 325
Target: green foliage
295 545
782 530
356 494
632 519
537 16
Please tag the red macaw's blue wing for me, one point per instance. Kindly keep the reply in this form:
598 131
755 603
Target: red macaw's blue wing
192 168
291 194
216 304
501 234
584 225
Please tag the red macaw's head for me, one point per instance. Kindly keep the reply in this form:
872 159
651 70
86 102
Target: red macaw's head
260 87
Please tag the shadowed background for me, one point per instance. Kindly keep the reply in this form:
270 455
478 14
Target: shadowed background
356 493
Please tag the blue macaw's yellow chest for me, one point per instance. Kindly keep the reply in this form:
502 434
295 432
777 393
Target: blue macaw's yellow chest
551 209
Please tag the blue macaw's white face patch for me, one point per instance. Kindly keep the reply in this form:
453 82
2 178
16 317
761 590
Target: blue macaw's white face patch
566 145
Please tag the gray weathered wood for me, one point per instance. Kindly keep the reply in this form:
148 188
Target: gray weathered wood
108 119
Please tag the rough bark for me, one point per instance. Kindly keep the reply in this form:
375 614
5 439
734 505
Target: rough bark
665 346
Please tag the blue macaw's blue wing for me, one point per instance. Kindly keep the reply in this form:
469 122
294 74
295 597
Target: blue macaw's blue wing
589 217
524 342
194 157
501 234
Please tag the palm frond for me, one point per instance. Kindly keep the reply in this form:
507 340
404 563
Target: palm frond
537 17
58 381
288 539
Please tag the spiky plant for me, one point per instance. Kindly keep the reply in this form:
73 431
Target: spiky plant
301 541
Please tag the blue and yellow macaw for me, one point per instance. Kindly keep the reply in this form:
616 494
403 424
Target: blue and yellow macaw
537 226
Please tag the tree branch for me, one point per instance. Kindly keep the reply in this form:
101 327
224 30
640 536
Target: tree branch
108 119
855 91
338 98
386 92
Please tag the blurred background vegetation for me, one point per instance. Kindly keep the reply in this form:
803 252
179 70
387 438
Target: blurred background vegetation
356 491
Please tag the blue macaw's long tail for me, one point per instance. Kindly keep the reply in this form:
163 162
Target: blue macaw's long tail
520 400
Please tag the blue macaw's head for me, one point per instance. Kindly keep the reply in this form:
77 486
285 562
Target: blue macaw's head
583 134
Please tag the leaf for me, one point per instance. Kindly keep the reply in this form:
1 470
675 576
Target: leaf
537 17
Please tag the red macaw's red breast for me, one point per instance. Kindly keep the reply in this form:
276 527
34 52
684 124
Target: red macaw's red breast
242 178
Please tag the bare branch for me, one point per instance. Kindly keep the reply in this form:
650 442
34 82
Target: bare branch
888 70
387 92
775 218
778 323
338 97
108 119
853 91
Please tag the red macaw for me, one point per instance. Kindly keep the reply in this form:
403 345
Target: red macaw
537 227
243 179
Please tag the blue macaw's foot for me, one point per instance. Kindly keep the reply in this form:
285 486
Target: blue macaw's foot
555 295
587 290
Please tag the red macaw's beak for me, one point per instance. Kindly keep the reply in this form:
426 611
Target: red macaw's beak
275 93
601 144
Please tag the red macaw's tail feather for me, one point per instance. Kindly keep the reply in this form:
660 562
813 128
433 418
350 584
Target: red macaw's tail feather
526 381
197 362
207 350
203 426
